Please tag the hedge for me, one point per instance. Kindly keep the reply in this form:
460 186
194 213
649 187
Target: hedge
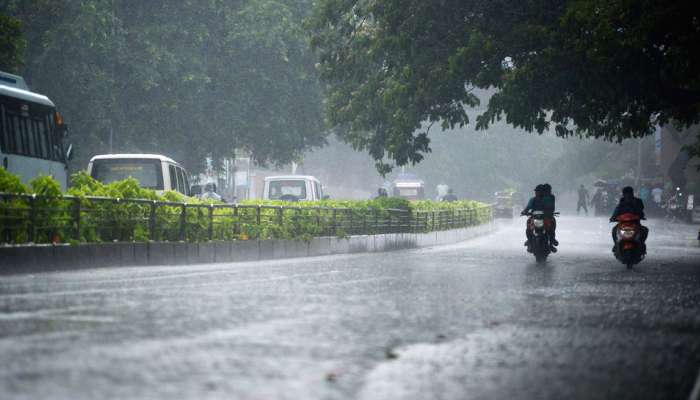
91 211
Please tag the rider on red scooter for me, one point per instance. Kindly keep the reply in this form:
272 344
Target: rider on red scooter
633 205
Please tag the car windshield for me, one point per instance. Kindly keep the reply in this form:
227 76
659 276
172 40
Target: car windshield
147 171
296 188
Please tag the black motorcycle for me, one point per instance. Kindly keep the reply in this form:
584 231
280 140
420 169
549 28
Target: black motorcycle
539 227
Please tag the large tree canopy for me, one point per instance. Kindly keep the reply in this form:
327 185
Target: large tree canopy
11 43
603 68
184 78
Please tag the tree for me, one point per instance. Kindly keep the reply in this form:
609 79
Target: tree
11 43
608 69
188 79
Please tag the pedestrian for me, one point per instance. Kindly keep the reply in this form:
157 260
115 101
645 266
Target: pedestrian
450 196
644 193
657 194
582 200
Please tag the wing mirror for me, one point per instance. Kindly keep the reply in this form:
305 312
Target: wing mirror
69 152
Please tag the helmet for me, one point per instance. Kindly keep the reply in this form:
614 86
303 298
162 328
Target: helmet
627 190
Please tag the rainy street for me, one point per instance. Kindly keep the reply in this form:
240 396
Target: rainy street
476 320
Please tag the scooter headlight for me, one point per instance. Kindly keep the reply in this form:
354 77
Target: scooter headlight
626 233
538 223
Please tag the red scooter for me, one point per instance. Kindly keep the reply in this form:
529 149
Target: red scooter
629 249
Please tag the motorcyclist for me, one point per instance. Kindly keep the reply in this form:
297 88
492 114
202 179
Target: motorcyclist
381 192
550 206
633 205
541 202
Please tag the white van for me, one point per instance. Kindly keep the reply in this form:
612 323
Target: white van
153 171
293 188
408 186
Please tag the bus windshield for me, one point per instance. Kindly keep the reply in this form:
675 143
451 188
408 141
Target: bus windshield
147 171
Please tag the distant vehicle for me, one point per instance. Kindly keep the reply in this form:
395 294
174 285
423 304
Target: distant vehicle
504 204
293 188
196 190
153 171
408 186
209 192
31 133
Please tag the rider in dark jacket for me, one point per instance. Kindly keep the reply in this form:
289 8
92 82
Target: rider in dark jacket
543 201
550 203
632 205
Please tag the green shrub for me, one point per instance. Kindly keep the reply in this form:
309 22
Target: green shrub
10 183
106 214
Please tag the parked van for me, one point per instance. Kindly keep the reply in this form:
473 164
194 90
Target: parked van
408 186
293 188
153 171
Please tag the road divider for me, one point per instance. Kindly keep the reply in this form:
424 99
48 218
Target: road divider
55 257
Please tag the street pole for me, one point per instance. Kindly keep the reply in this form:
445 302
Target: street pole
639 163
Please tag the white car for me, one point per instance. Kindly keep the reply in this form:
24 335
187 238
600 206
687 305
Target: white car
293 188
153 171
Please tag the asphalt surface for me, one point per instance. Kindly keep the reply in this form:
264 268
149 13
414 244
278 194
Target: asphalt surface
478 320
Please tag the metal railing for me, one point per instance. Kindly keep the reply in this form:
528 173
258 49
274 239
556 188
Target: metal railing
40 219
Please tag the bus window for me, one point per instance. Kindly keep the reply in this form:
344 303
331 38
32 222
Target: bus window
49 136
24 134
173 177
16 133
42 139
32 138
57 145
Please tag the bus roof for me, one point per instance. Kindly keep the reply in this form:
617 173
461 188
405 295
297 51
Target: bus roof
14 86
133 155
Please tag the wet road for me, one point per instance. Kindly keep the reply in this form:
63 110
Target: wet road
478 320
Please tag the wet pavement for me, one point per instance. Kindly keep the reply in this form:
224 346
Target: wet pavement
477 320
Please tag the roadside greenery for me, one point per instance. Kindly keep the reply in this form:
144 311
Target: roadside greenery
123 211
184 78
610 69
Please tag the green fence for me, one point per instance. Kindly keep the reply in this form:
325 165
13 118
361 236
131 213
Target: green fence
40 219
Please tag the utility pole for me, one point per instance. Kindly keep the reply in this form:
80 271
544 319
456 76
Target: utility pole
639 163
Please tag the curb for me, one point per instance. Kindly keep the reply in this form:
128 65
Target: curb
46 258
